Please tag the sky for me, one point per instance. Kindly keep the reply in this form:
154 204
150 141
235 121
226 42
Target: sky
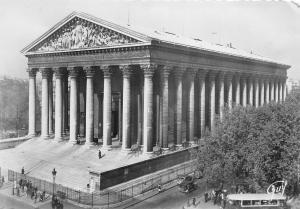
268 28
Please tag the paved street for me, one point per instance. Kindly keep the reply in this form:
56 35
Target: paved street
174 199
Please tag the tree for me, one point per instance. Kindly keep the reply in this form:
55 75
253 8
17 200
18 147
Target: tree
256 145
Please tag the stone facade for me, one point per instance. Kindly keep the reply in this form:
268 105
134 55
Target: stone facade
138 89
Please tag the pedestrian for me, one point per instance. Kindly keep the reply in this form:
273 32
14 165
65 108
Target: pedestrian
99 154
23 171
35 197
159 188
25 190
194 201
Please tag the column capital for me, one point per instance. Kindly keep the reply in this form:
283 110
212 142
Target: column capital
73 72
221 75
178 73
107 70
46 72
202 74
126 70
212 75
32 72
165 70
148 69
89 71
191 71
59 72
229 76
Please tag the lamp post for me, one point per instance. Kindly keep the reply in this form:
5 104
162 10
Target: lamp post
54 175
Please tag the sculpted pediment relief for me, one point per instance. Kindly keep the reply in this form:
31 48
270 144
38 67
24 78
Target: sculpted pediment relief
79 34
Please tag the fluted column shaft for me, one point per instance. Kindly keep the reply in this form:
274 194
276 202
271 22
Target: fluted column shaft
165 105
201 77
50 89
126 70
256 92
212 101
284 89
45 103
280 90
237 89
221 94
276 90
250 91
89 120
229 90
191 107
107 141
267 91
262 91
178 114
73 105
59 73
32 102
271 89
148 107
244 91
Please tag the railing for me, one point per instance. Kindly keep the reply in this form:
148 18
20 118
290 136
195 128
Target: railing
108 197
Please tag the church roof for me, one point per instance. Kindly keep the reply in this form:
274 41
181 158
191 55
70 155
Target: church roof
132 35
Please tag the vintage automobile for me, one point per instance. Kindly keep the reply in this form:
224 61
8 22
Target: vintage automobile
186 184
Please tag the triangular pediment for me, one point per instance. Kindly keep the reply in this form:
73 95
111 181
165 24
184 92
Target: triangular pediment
81 33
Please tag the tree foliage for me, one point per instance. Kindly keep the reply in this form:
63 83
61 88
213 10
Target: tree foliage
14 105
256 145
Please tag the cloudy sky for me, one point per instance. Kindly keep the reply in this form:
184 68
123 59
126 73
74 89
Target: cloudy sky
271 29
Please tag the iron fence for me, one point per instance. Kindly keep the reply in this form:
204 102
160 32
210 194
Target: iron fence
107 197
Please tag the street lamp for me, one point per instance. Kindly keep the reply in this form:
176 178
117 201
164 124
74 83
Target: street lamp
54 175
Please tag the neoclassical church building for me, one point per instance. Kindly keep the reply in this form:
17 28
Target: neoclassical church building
102 81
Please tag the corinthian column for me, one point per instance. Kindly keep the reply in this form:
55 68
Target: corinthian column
191 110
271 89
267 92
148 107
165 105
59 73
73 74
201 77
107 141
228 78
32 102
178 115
126 70
212 101
284 89
280 90
50 89
262 91
237 89
276 90
256 94
89 120
244 91
45 102
250 91
221 94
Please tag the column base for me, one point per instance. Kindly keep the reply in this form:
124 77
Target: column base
148 153
106 147
125 150
45 137
31 135
72 142
58 139
88 144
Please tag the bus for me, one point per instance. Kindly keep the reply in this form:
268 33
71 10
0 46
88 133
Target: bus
256 201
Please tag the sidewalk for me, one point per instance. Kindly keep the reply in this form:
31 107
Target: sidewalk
8 200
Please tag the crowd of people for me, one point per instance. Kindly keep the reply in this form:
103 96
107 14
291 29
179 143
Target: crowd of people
56 203
29 190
